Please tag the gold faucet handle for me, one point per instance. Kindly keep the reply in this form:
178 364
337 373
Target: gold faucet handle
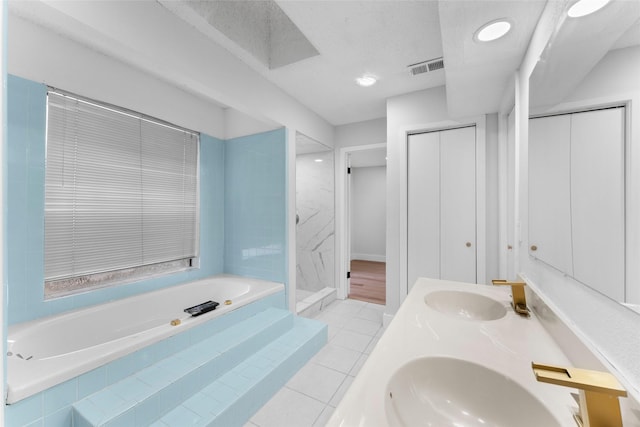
517 293
599 392
583 379
503 282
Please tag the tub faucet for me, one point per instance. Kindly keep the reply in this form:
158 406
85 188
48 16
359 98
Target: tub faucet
599 393
519 302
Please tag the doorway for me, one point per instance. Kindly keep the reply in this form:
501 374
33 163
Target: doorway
362 179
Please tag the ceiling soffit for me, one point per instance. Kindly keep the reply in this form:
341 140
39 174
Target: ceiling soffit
477 74
353 37
577 46
259 27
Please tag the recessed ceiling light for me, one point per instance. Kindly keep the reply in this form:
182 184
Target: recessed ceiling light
318 160
586 7
367 80
493 30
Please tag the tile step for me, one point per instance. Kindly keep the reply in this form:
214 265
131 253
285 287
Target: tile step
234 397
148 394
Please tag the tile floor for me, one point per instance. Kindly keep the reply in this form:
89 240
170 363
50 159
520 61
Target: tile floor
310 397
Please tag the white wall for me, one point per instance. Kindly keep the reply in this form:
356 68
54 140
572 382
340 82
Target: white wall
237 124
368 213
615 74
183 56
40 55
361 133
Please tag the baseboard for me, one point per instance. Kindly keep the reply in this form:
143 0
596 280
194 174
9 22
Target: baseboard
386 319
369 257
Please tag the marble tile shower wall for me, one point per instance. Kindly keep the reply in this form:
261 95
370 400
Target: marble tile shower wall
316 229
26 115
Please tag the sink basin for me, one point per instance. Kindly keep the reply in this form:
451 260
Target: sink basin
465 305
440 391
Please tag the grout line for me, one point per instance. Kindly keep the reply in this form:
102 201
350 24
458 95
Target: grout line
335 370
320 414
335 392
305 394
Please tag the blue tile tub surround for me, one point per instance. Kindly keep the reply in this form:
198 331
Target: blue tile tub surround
238 394
242 231
56 402
186 372
26 111
255 206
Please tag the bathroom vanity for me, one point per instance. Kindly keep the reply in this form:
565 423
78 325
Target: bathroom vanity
459 354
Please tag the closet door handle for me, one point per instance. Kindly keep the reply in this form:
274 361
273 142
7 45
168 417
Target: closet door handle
468 244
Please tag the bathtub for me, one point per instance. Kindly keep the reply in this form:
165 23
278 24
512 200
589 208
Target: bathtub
49 351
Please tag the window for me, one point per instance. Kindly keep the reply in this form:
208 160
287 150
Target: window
120 196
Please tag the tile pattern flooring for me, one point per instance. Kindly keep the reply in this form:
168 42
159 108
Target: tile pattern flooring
310 397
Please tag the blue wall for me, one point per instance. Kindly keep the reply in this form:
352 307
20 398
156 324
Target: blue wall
255 206
26 105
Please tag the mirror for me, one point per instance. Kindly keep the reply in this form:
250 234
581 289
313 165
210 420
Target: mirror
581 202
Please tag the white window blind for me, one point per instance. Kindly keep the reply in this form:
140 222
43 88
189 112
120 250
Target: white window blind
120 190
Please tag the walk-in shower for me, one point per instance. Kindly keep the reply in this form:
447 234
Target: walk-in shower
315 229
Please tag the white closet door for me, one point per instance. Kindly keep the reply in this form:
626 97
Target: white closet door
423 222
442 206
597 198
550 191
458 205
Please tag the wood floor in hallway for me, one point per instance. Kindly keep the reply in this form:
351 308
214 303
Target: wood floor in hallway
368 281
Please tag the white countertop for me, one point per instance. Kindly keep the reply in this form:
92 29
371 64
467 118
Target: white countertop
507 345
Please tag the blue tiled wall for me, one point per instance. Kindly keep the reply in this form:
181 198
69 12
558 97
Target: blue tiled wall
255 206
26 105
242 230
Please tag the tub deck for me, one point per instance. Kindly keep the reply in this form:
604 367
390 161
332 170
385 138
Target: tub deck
50 351
217 369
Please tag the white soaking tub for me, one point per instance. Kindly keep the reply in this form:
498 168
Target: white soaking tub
51 350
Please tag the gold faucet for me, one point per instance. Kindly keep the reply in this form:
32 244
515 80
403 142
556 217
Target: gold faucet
519 303
599 392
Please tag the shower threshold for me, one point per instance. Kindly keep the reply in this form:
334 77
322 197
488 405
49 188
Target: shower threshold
316 302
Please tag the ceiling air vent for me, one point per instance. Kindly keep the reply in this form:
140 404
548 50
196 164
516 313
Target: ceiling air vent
426 66
419 69
436 64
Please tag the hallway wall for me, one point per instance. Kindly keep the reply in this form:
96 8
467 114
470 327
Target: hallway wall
368 213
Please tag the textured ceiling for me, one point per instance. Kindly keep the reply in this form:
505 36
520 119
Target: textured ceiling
381 37
353 38
479 73
259 27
